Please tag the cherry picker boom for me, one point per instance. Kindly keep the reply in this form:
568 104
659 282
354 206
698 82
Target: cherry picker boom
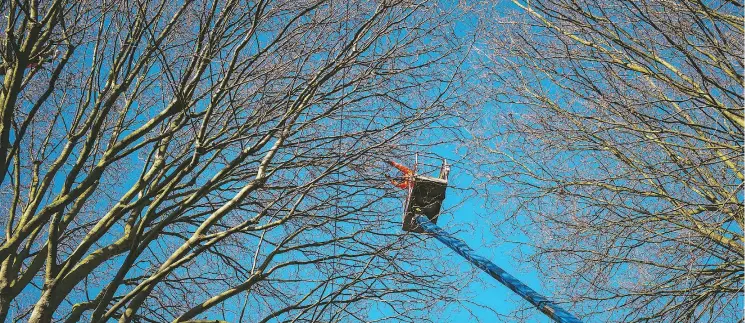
421 210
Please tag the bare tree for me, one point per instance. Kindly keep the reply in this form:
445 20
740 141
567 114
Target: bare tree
618 138
184 160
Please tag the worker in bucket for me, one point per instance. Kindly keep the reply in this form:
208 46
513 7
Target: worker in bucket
407 178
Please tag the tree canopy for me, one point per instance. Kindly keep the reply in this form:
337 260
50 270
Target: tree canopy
619 138
180 160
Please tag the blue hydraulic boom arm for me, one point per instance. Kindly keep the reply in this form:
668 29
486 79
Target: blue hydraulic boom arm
421 210
549 308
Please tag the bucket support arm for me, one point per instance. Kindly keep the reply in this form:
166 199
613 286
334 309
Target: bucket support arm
549 308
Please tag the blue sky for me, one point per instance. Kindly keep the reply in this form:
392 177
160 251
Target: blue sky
466 216
468 219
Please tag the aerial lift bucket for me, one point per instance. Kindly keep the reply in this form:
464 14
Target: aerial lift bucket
425 197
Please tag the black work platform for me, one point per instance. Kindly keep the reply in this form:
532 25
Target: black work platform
425 198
